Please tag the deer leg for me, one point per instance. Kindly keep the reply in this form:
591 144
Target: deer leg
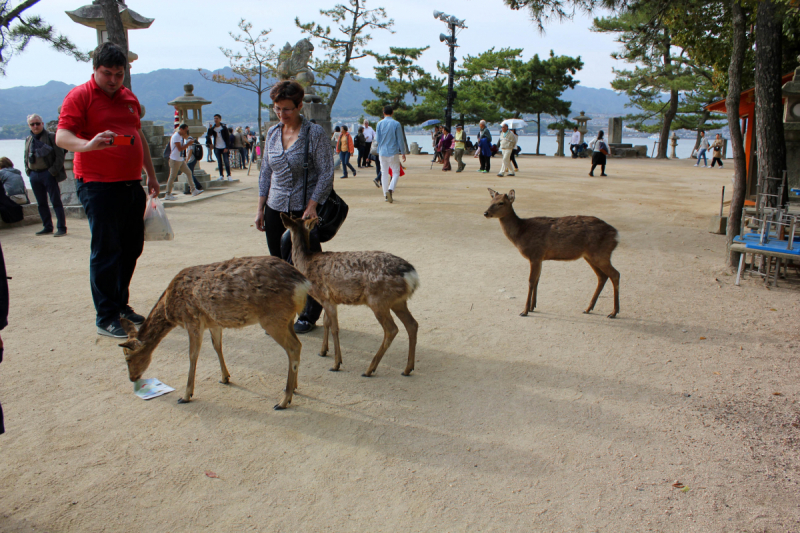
326 321
533 282
601 282
402 312
195 341
216 340
389 332
285 336
332 314
611 272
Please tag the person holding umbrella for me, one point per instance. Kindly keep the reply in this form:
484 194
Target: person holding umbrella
508 141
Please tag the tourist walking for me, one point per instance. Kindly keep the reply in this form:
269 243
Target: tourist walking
109 181
209 145
391 148
220 136
12 181
515 152
373 156
240 144
345 149
446 148
574 142
702 150
281 182
44 165
600 151
508 142
178 143
484 153
458 147
484 132
716 154
369 138
191 161
361 145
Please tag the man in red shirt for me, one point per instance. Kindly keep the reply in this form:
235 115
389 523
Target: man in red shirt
109 181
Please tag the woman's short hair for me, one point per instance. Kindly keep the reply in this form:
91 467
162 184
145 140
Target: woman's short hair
6 163
445 128
287 90
337 128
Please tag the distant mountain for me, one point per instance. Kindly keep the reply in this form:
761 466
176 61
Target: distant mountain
155 89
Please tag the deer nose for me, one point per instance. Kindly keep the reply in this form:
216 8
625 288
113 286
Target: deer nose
486 214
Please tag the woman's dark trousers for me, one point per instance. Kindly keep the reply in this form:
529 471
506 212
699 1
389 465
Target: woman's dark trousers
273 227
362 156
191 169
486 162
116 222
44 184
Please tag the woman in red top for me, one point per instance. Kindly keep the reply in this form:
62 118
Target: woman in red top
345 148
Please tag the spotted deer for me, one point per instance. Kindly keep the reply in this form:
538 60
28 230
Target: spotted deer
232 294
558 239
379 280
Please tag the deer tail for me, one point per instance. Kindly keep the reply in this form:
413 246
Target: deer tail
412 281
300 293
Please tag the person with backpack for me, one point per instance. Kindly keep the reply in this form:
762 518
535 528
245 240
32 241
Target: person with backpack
12 181
177 164
191 156
44 165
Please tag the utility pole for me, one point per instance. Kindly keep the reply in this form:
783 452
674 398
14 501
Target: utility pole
452 23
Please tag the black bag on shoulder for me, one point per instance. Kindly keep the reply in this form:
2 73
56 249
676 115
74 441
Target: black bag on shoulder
333 212
198 151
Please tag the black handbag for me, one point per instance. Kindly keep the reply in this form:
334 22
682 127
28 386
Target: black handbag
333 212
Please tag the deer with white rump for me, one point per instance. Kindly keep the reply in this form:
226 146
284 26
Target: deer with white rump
379 280
558 239
231 294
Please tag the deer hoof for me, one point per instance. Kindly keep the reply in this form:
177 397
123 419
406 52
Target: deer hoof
278 407
181 400
587 311
612 315
323 354
524 313
365 375
225 381
333 369
406 374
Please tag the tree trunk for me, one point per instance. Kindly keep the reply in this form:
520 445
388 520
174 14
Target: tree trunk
771 146
348 53
116 32
669 116
538 131
738 44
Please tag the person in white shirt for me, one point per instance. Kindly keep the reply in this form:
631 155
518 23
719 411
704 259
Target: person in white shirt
574 142
369 137
178 143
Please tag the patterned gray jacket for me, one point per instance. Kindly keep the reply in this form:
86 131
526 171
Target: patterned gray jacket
281 179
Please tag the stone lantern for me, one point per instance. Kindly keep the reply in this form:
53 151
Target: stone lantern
190 112
674 144
791 128
92 17
582 120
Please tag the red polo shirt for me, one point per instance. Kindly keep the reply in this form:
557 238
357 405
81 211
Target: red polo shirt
88 110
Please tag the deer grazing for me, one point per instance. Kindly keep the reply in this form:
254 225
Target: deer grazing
558 239
231 294
379 280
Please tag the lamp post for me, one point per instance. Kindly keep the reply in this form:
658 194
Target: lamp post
452 23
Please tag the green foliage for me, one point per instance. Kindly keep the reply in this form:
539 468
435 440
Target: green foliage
563 123
253 67
17 31
15 131
404 80
353 20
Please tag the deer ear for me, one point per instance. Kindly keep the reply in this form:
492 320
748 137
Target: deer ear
492 193
132 344
511 195
129 327
312 223
287 222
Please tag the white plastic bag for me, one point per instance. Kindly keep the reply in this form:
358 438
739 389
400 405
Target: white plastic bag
156 224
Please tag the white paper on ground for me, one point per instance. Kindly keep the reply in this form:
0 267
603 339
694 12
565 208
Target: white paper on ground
147 389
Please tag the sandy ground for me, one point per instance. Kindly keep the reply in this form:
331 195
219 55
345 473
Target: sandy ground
556 422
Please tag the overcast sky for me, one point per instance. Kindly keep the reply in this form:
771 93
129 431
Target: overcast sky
189 34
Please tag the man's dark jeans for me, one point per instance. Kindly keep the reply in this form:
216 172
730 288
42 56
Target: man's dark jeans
273 227
115 212
44 184
191 169
223 156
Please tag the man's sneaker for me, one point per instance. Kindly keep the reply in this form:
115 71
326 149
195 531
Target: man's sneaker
60 233
133 316
196 192
377 182
500 174
512 174
389 196
697 164
303 326
170 197
230 178
44 232
221 178
112 329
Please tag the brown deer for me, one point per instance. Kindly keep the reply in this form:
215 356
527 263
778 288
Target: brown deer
231 294
558 239
379 280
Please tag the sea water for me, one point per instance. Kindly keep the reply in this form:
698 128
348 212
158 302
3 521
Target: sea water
14 149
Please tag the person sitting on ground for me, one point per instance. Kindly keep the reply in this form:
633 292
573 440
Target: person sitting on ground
12 181
468 145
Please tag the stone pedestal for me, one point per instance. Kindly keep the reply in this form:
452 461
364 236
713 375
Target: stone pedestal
414 148
317 112
674 144
560 141
582 119
614 135
69 194
718 225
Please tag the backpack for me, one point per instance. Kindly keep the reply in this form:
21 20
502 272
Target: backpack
198 151
168 148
